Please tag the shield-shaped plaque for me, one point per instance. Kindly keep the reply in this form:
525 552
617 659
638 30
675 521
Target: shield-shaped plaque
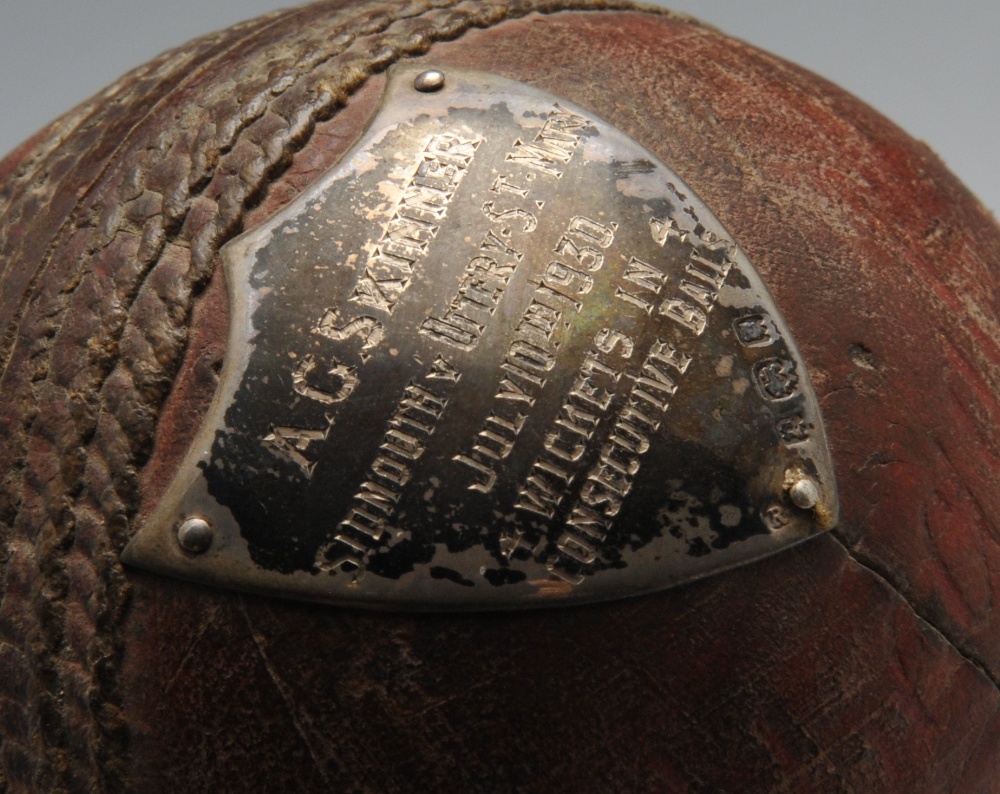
499 356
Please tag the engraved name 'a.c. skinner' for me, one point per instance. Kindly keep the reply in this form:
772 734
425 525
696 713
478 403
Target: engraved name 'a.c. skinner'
442 166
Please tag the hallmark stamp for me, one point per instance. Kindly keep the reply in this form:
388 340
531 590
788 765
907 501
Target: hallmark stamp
777 378
755 330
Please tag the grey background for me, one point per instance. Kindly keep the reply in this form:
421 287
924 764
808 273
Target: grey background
930 66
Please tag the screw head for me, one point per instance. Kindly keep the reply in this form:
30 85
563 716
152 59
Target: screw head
195 535
804 493
429 81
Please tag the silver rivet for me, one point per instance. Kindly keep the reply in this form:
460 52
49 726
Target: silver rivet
429 81
195 535
804 493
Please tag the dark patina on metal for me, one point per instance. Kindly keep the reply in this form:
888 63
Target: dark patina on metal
500 356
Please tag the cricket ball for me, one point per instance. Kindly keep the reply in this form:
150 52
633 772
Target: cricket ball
865 659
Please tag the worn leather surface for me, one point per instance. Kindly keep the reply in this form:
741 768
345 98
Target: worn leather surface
868 660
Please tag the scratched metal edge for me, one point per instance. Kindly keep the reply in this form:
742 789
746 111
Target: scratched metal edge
154 547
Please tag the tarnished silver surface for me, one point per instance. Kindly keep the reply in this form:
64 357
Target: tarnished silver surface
500 356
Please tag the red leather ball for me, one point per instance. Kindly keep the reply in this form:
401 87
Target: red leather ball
867 659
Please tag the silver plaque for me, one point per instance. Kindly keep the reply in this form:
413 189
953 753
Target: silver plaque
500 356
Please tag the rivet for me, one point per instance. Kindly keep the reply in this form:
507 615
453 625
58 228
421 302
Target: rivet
429 81
195 535
804 493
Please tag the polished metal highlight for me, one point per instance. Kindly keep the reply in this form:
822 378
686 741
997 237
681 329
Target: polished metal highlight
429 81
500 356
804 493
195 535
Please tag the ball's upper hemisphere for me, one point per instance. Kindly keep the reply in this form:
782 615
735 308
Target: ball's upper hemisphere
868 660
